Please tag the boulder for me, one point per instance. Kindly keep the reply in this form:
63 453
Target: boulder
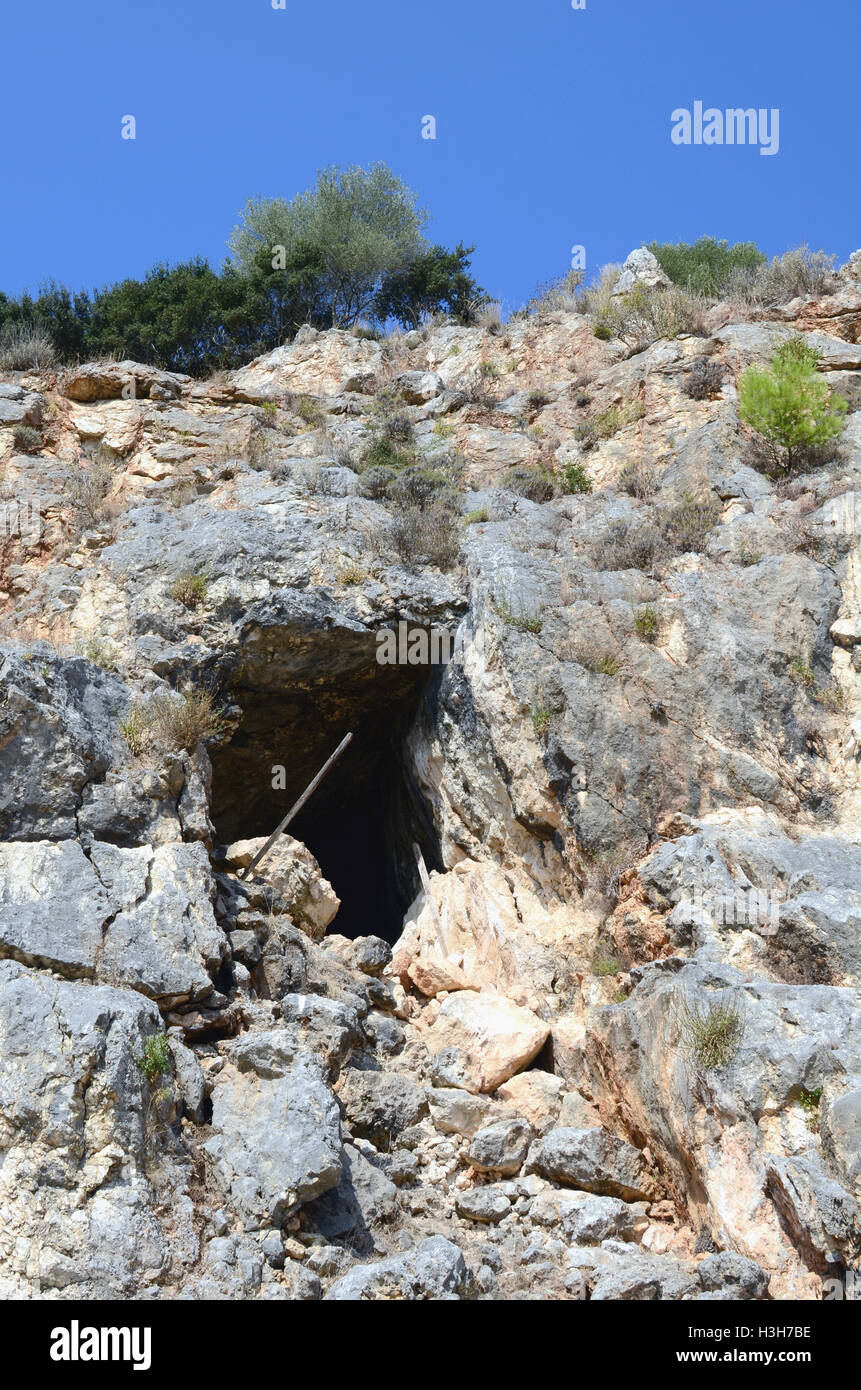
435 1270
276 1138
491 1038
294 881
106 381
379 1105
500 1148
595 1161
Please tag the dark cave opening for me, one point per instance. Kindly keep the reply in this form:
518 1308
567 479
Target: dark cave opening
362 821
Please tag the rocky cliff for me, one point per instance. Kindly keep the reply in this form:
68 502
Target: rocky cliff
609 1046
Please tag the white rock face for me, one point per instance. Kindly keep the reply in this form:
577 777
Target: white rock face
491 1037
640 268
203 1093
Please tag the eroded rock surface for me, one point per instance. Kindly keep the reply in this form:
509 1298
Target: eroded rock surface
552 990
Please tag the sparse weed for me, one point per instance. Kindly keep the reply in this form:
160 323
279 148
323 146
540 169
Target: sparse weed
713 1032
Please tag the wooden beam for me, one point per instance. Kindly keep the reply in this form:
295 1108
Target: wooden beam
294 810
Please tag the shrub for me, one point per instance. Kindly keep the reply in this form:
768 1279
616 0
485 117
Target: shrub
557 296
645 315
100 653
597 298
810 1102
801 671
541 720
704 379
189 587
174 723
390 418
705 265
530 481
791 407
135 729
25 347
350 573
488 315
309 411
608 422
28 440
713 1032
647 623
794 274
385 453
646 545
604 962
626 545
687 525
88 487
599 660
747 556
376 481
638 480
430 534
156 1059
480 514
575 479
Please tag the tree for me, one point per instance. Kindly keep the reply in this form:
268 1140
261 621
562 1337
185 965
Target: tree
185 318
790 405
436 280
359 225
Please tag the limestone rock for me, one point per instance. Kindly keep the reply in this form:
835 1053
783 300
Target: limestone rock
594 1161
434 1270
276 1139
491 1038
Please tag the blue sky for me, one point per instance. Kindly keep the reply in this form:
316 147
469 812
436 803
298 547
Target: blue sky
553 125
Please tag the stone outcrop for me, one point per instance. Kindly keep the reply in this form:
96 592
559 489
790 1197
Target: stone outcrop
551 991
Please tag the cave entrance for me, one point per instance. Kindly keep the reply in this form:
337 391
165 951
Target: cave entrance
364 818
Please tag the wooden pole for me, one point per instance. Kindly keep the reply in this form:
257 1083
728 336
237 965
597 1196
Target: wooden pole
426 885
294 810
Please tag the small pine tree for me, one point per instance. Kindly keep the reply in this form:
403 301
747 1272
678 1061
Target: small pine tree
790 405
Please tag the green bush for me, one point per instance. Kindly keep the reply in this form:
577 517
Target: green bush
156 1059
705 265
575 479
523 621
605 962
647 623
189 587
791 407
